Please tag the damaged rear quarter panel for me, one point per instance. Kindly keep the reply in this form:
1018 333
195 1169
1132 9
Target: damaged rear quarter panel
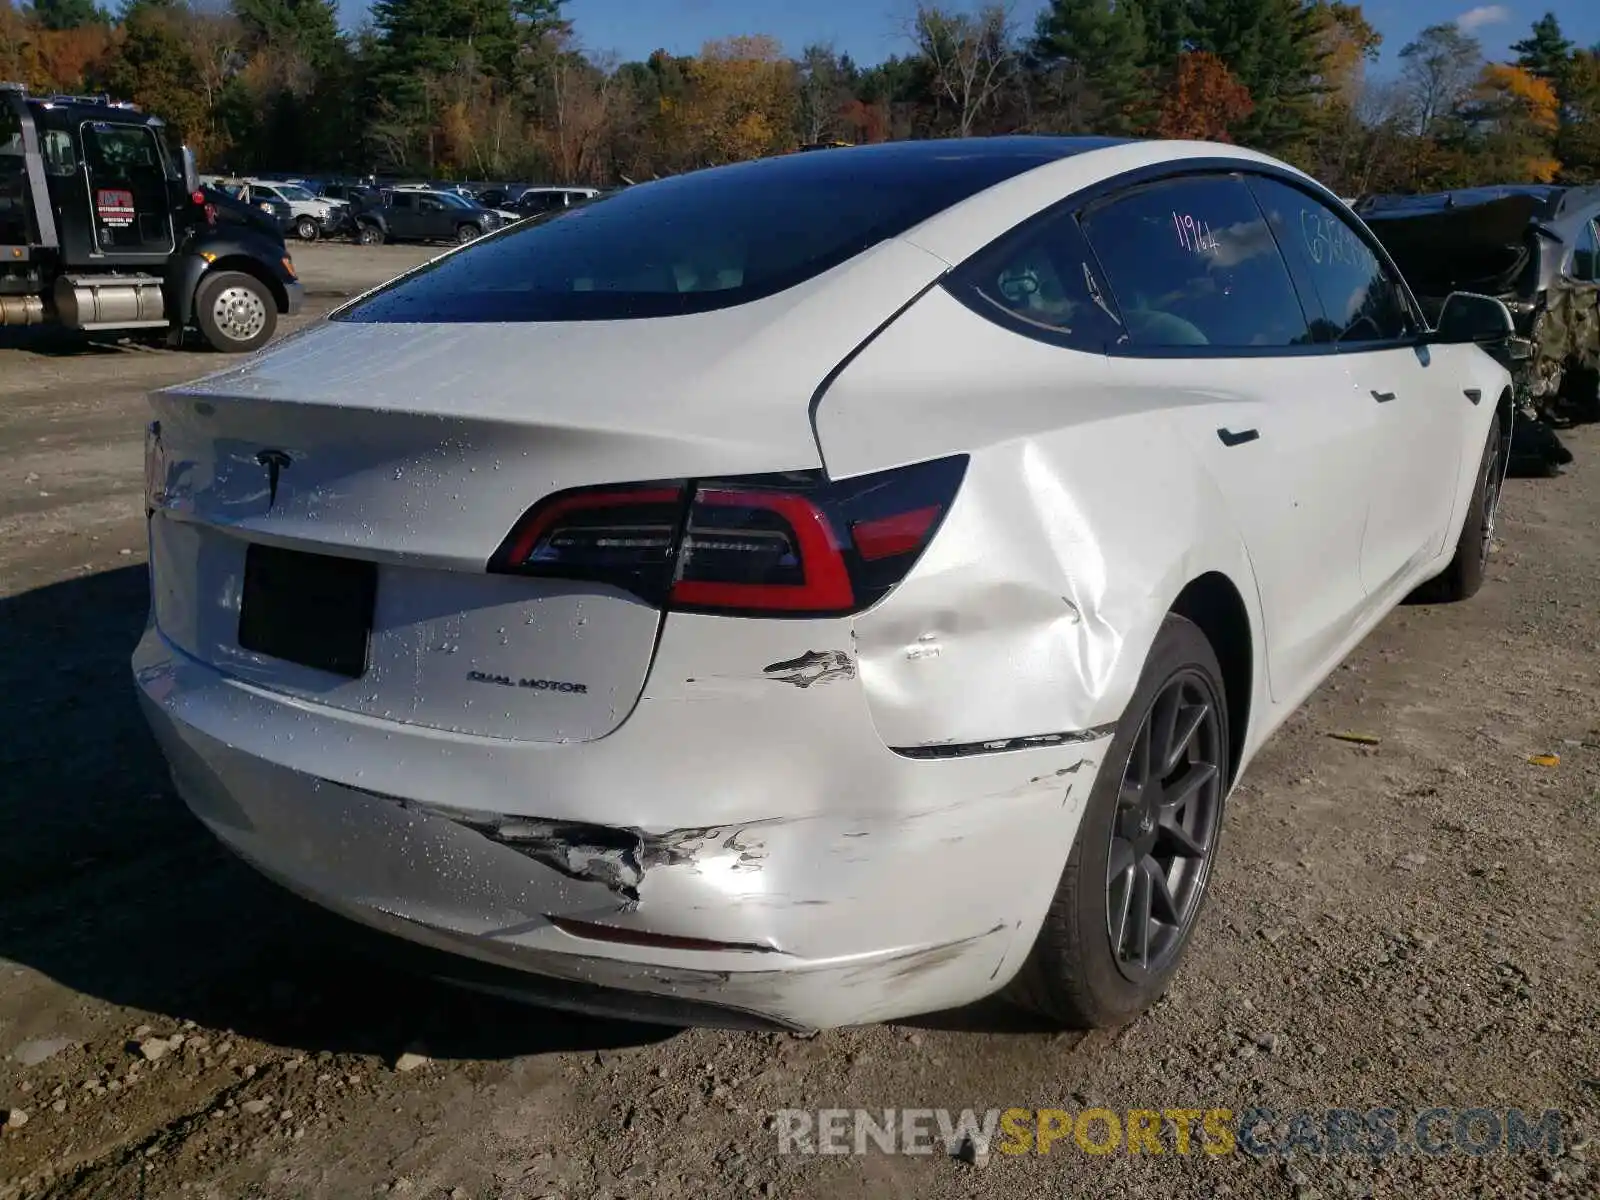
1078 524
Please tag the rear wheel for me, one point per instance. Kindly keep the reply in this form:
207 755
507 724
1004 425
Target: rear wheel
306 229
466 233
235 311
1464 576
1137 875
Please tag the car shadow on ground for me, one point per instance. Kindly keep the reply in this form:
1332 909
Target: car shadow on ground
109 887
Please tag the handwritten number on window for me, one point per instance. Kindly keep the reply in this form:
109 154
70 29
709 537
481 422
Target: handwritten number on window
1194 235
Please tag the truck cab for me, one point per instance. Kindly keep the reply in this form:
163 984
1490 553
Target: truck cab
104 227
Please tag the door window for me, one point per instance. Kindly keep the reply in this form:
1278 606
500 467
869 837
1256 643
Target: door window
1586 253
1192 263
128 187
1359 299
402 200
1042 282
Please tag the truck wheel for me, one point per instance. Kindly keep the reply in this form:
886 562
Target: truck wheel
306 229
370 235
465 233
235 311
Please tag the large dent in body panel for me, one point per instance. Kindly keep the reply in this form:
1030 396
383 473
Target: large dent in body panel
1079 521
784 849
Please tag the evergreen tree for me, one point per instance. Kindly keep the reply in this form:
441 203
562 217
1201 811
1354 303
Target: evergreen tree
67 14
308 27
1546 51
1092 52
1270 48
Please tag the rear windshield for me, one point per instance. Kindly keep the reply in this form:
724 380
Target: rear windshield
707 240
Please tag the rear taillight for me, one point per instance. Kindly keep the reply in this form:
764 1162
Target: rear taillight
791 544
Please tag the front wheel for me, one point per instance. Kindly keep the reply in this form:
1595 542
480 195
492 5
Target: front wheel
306 229
467 233
1136 877
235 311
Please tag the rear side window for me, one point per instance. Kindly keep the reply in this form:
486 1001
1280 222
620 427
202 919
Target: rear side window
1586 254
1192 263
1360 300
1042 282
697 242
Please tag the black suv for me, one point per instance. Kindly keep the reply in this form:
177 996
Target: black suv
415 215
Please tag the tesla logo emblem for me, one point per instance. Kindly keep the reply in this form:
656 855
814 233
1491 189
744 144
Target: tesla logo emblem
274 461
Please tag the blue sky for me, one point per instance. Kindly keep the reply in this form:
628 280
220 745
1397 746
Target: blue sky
871 30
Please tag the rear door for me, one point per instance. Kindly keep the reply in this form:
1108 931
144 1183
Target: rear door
1214 320
1417 394
129 197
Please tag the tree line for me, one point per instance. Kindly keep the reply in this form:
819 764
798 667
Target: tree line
501 89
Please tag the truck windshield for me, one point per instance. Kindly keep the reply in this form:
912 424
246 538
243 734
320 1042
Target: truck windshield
293 191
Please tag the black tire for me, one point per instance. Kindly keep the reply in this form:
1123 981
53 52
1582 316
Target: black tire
1074 974
369 234
467 233
1464 576
306 229
235 311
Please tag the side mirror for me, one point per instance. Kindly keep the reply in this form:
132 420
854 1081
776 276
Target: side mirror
191 173
1469 317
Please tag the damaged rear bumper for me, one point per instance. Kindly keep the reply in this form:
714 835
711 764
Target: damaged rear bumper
748 850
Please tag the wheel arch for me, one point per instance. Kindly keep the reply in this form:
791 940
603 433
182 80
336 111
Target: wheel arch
1212 602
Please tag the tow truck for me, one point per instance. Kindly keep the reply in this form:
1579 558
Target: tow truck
104 227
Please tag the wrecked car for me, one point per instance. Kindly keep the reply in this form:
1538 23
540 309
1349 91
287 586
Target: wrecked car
816 590
1535 247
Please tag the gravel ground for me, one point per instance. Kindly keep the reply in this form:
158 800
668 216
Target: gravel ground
1409 924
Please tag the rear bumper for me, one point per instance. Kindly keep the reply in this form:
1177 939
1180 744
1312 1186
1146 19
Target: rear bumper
830 880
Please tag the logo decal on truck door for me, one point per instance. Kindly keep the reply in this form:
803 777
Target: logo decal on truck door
115 207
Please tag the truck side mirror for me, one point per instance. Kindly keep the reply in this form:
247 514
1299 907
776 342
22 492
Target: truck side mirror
191 173
1470 317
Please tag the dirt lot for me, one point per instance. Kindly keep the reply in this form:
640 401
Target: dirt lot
1411 924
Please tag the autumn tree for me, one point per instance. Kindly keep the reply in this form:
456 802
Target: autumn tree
1203 100
1512 115
969 58
1345 43
155 66
740 100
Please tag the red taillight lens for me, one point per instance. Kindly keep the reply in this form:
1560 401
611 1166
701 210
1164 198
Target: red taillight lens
625 535
766 551
794 544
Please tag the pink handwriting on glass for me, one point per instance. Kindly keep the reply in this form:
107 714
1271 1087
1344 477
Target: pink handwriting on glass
1193 235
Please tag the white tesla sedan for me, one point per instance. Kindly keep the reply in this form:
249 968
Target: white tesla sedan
815 590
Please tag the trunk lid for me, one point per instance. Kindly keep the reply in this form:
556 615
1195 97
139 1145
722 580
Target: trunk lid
416 448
